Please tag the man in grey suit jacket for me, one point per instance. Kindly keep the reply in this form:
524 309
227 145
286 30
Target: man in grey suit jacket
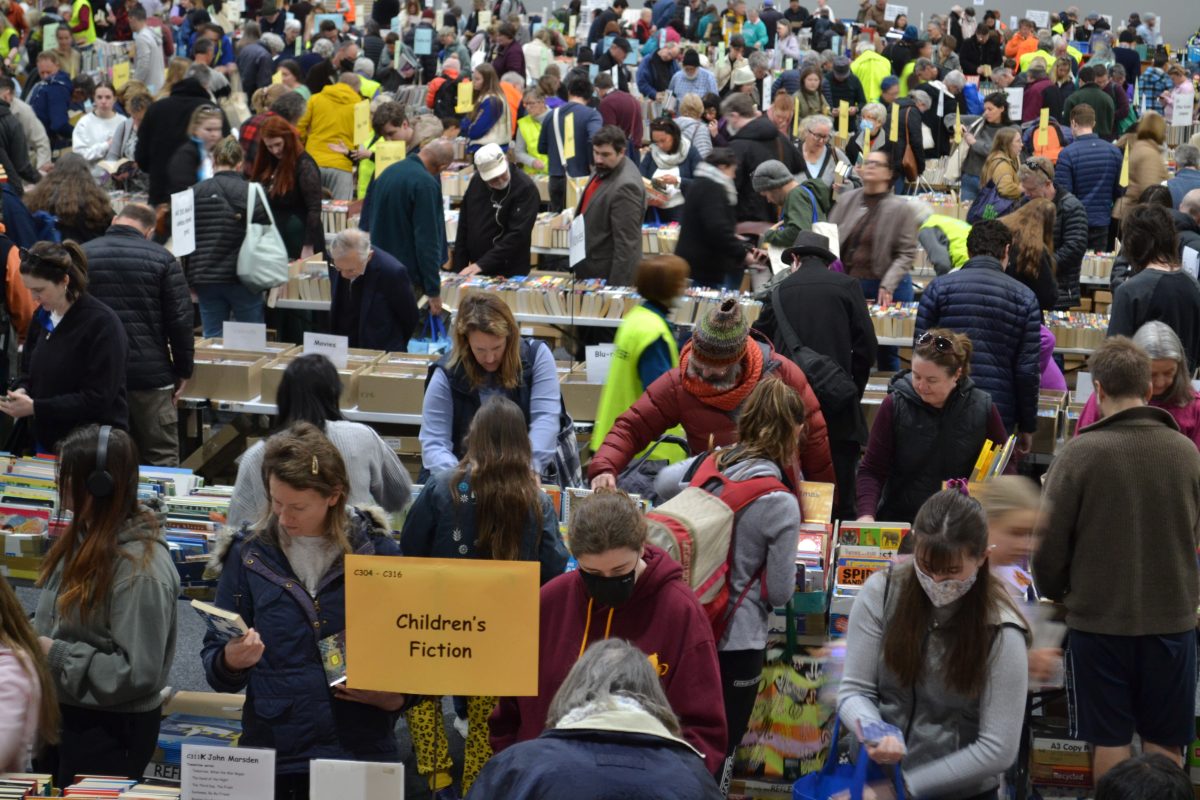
612 206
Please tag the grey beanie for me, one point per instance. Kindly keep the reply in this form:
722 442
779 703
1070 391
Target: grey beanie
770 175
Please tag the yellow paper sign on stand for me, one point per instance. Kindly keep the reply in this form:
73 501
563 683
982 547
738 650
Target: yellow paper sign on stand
796 118
441 626
466 98
1124 179
1043 131
569 137
120 75
894 128
362 123
957 126
386 154
843 119
572 21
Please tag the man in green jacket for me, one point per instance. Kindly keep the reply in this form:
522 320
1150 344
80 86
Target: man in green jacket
1090 92
802 205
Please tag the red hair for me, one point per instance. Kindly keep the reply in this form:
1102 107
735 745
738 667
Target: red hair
277 174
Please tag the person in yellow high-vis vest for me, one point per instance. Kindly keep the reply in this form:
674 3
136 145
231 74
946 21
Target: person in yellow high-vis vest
529 129
945 241
389 123
83 23
645 347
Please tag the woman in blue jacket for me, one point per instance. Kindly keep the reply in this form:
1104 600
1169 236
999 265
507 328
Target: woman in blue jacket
490 506
287 582
671 161
491 120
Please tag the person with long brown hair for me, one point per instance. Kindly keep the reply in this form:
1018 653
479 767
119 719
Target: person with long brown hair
284 576
30 717
1000 167
69 192
1031 257
490 121
489 506
489 356
293 183
106 614
937 649
763 554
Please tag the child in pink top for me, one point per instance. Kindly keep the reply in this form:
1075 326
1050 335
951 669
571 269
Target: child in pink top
23 715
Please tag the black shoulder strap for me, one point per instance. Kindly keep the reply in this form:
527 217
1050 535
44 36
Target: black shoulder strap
790 337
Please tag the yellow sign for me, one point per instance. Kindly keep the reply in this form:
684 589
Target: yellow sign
1124 179
796 118
362 123
1043 131
120 75
816 501
568 138
572 21
894 130
466 98
442 626
386 154
957 126
843 119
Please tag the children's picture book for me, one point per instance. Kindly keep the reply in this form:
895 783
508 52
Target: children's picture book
226 624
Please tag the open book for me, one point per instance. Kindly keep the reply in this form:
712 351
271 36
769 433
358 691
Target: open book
226 624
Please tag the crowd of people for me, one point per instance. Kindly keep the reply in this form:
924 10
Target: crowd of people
758 132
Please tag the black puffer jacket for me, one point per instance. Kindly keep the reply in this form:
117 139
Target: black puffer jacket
165 128
759 141
142 282
220 204
14 151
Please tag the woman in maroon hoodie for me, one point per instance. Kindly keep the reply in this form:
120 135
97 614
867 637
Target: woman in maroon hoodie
624 588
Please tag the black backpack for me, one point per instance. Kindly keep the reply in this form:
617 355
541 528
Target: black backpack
834 388
445 100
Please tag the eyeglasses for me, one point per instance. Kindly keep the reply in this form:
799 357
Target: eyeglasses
820 137
940 343
1033 163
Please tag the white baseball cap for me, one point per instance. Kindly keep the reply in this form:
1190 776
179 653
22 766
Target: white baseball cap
491 162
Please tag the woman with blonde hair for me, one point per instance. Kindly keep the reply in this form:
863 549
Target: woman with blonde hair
1001 166
177 68
1031 257
490 121
1147 160
192 162
30 717
488 356
767 526
490 506
286 578
692 125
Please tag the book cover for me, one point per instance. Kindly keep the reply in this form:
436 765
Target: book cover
24 519
333 657
226 624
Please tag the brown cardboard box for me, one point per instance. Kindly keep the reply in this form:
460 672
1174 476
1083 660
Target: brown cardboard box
226 375
272 376
581 398
274 349
1045 439
419 361
391 389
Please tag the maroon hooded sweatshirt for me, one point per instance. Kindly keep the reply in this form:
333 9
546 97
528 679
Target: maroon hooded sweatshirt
663 618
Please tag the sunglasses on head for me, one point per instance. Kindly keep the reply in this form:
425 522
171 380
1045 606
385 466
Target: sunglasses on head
1034 163
940 343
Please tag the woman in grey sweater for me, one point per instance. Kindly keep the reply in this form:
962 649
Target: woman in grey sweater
309 392
763 571
937 650
977 137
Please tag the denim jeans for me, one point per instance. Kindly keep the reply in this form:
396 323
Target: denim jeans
888 359
969 187
217 300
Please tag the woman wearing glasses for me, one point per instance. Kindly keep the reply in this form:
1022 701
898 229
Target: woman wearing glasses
930 428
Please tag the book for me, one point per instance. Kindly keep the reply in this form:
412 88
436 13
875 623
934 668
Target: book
333 657
227 624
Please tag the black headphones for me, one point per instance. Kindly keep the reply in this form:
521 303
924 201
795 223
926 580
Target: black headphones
100 482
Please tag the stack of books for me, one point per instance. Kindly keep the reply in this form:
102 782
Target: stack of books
19 785
899 320
335 215
1077 329
658 239
1097 265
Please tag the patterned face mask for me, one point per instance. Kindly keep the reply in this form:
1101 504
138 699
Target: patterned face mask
943 593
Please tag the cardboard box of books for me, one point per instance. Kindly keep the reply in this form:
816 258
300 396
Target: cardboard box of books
357 362
227 375
391 389
274 349
580 397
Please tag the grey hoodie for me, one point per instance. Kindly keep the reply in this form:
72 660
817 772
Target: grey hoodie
118 659
765 536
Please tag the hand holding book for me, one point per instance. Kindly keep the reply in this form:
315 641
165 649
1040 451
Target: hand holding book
245 651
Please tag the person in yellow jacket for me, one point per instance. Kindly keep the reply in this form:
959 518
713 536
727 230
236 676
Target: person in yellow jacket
645 347
870 67
327 129
82 23
389 123
529 129
944 239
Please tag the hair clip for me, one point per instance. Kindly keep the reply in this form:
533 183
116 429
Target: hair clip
960 484
316 467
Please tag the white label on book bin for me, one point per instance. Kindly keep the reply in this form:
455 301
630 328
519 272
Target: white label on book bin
183 223
894 10
362 780
250 336
219 773
335 348
1181 111
577 239
599 359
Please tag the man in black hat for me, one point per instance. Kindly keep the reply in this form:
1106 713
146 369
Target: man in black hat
612 61
842 84
816 317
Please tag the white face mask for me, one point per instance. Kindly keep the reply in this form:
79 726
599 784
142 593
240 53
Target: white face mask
943 593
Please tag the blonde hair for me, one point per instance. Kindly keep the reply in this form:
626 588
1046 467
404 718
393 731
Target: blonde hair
1008 493
767 425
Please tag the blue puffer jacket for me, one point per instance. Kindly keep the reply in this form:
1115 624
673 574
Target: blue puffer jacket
1002 317
1090 169
289 705
595 765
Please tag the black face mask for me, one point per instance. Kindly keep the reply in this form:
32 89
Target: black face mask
612 591
347 65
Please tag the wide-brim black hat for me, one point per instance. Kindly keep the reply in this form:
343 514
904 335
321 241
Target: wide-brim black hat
809 244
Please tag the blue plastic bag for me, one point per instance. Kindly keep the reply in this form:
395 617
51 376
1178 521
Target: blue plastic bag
434 339
835 777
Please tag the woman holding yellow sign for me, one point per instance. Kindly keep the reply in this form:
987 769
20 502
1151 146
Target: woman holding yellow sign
489 506
285 584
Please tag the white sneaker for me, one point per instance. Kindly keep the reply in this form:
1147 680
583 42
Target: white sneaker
460 725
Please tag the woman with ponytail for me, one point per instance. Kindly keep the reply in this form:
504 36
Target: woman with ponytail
489 506
73 365
27 696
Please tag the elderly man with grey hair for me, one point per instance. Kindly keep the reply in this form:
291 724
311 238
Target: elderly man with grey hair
945 97
1187 173
373 303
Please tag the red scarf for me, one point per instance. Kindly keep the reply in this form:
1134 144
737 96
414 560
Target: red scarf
724 399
